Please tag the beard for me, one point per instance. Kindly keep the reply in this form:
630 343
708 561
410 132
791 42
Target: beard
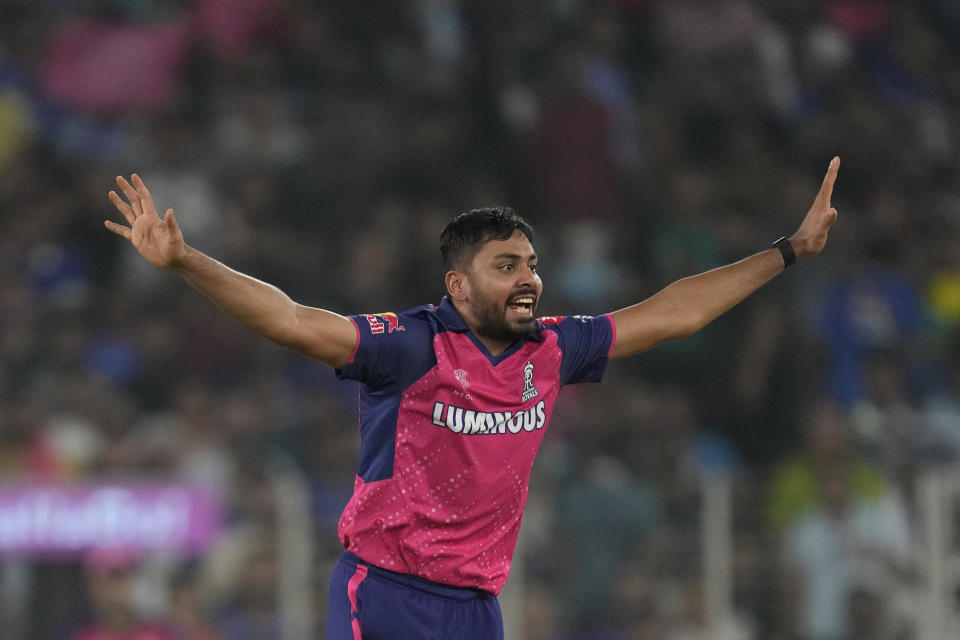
493 323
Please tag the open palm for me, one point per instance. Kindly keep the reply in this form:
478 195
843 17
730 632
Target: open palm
159 240
811 237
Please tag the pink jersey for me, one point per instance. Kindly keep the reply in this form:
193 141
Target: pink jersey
448 437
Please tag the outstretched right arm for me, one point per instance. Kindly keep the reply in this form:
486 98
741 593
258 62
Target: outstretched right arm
264 308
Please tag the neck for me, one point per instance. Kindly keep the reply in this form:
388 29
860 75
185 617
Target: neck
495 347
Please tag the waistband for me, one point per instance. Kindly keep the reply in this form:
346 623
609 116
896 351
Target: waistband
462 594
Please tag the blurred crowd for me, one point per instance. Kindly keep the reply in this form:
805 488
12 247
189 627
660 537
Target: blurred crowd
322 146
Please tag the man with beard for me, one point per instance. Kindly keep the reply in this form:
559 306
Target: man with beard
454 401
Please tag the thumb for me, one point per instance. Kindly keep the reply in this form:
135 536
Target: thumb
831 217
170 220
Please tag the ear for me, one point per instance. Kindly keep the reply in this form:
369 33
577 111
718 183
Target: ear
458 285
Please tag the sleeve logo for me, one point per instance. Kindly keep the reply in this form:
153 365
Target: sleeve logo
380 322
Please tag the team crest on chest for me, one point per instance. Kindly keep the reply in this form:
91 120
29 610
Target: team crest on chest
529 391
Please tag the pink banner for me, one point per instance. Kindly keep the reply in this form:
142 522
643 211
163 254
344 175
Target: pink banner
116 66
59 520
232 26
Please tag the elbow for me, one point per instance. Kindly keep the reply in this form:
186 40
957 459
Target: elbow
685 321
678 315
677 332
289 334
676 327
688 326
287 340
296 337
682 332
294 333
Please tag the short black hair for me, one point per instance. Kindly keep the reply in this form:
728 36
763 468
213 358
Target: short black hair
463 237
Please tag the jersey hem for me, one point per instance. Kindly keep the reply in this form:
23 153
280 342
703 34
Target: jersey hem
452 592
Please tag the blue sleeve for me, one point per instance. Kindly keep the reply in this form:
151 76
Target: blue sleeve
585 342
392 351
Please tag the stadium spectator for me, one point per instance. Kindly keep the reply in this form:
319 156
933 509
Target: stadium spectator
187 614
841 544
794 484
110 574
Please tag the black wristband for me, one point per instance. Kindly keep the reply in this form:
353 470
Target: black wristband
786 250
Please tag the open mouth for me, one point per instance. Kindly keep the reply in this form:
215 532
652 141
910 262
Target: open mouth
522 304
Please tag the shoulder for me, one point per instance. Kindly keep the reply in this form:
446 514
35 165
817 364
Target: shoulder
417 319
577 328
558 323
391 346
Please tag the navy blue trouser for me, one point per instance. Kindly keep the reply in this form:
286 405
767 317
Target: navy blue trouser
370 603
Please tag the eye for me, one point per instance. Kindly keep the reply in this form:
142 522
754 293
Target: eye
533 268
506 267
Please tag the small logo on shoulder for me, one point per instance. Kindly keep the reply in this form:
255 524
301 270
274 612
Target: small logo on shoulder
529 391
377 324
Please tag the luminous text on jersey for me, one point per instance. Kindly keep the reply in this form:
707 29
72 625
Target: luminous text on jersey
469 422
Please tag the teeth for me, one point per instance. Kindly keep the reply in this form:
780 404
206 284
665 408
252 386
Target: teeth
523 301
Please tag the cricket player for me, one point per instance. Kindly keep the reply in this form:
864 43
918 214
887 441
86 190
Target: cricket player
455 400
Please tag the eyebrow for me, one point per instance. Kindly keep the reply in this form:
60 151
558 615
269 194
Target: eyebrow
514 256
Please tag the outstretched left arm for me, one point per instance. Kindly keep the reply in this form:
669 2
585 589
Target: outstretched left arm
689 304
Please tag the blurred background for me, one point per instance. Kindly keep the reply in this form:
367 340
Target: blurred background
787 473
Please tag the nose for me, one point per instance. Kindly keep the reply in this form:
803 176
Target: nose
527 277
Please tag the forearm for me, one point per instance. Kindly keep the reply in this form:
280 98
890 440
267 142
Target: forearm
256 304
702 298
316 333
689 304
